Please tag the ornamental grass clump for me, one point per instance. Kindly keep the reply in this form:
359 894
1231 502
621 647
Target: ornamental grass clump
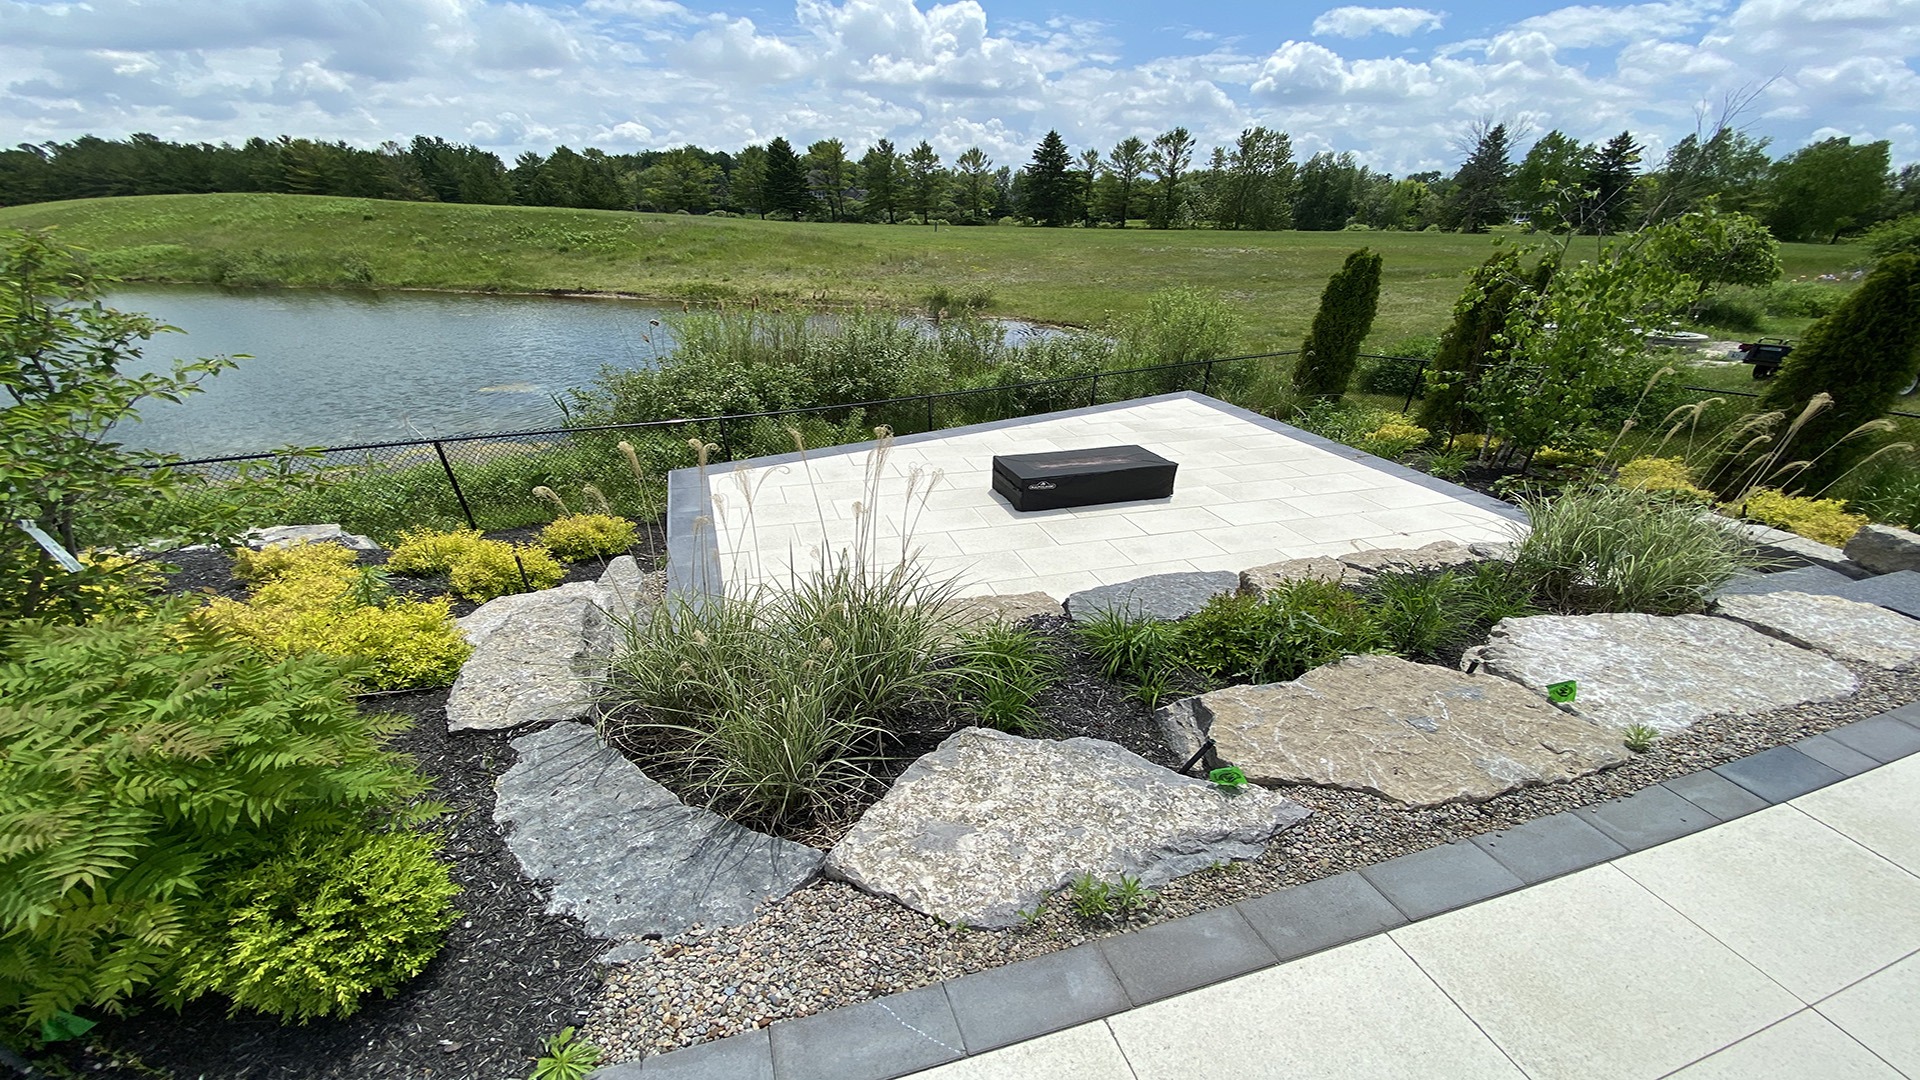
1610 549
772 704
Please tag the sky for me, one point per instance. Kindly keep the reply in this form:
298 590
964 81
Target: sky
1400 86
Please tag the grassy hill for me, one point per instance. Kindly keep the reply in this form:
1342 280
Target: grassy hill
1068 276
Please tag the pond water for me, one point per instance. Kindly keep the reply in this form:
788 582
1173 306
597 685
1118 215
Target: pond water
331 368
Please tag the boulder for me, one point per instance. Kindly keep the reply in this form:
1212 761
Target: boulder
1884 549
287 535
536 656
1663 671
1261 580
1160 596
989 824
1432 558
624 855
1011 608
1843 629
627 591
1493 550
1414 733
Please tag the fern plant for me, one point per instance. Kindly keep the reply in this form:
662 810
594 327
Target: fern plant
145 759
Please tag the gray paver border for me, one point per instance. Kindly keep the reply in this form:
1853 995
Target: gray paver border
731 1056
693 552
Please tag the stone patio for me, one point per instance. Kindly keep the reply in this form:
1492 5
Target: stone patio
1250 490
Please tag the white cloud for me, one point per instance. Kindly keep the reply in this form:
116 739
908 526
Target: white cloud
1356 22
628 74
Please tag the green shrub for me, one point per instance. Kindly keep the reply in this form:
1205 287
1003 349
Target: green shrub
476 568
1297 627
1670 476
1393 440
1888 491
1002 670
1430 615
1823 520
1600 549
1129 647
146 761
312 600
1736 308
1801 299
586 536
326 920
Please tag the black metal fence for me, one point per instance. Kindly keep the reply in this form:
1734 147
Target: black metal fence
487 480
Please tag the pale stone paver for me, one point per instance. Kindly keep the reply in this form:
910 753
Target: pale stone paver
1879 1012
1242 490
1803 1045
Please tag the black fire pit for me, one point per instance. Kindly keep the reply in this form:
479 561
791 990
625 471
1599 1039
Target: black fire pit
1107 474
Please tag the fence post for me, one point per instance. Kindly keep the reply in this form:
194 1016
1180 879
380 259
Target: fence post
726 446
1093 391
1206 378
929 426
454 483
1418 373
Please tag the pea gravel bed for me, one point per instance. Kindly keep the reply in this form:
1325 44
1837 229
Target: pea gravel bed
830 945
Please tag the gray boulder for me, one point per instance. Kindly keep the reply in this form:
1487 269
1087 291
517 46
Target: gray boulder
1431 558
1414 733
1884 549
1010 608
990 824
1159 596
1261 580
628 592
623 854
1843 629
536 656
287 535
1663 671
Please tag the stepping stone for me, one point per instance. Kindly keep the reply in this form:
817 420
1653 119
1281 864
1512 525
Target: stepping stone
1160 596
1843 629
1805 579
1011 608
275 536
536 656
1884 549
1900 591
989 824
625 855
1418 734
1440 555
1665 671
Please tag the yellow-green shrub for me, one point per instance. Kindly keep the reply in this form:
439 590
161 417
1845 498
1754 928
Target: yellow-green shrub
1393 439
1824 520
402 643
1670 475
583 536
256 567
477 568
1548 457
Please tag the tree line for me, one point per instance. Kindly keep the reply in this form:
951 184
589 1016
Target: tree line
1819 192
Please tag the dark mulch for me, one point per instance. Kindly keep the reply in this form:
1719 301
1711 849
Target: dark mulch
509 976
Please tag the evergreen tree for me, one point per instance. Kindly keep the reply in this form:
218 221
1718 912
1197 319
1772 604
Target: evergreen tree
1171 154
747 187
1328 192
1478 317
1479 196
1049 191
1254 189
1610 186
1085 178
1332 347
1863 353
1728 167
881 170
925 180
975 189
786 181
830 177
1126 163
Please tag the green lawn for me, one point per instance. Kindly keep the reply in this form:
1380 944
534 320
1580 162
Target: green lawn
1068 276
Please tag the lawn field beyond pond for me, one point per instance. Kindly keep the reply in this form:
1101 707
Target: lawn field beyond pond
1067 276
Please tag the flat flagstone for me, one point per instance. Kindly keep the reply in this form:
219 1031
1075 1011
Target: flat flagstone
989 824
1662 671
1418 734
1843 629
624 854
1808 579
1260 580
1009 608
1159 596
1900 591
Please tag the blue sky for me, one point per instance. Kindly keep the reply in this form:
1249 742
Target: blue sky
1398 84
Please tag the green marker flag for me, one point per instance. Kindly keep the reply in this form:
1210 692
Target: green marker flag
1563 693
1228 777
63 1026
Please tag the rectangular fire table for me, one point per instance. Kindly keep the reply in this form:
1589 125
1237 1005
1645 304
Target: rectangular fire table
1106 474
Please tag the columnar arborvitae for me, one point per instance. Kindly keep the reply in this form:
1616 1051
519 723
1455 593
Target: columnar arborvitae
1345 317
1480 314
1863 353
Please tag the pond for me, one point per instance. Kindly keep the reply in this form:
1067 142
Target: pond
330 368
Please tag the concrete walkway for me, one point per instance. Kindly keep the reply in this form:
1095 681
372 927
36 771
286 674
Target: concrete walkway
1782 944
